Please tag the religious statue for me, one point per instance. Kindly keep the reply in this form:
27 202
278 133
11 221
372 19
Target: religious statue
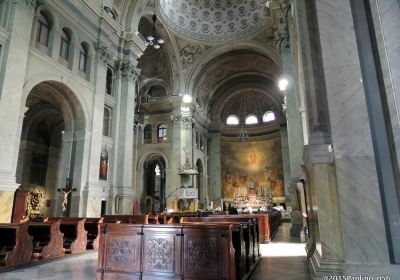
103 165
66 191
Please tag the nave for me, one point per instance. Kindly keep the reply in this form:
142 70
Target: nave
281 253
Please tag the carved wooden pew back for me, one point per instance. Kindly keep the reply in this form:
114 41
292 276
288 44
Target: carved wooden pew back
47 239
166 252
15 244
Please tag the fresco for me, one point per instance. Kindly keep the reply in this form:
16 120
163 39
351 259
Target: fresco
252 170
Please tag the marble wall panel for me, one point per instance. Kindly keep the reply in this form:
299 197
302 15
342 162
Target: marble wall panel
361 211
336 31
6 202
386 17
323 184
350 132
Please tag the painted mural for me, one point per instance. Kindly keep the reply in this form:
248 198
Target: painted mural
252 171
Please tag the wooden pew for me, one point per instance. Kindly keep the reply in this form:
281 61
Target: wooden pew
15 244
245 240
47 239
176 251
126 219
92 226
263 225
75 235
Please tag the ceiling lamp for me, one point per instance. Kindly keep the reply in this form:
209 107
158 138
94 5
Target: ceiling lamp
153 39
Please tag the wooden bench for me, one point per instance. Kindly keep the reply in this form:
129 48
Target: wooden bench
245 240
47 239
15 244
92 226
126 219
176 251
263 225
75 235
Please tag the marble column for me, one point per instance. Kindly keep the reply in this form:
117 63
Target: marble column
286 162
214 164
123 159
325 247
15 60
93 194
80 165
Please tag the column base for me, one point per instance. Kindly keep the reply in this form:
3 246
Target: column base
320 267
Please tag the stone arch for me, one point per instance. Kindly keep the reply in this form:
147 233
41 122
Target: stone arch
214 55
153 183
68 91
53 127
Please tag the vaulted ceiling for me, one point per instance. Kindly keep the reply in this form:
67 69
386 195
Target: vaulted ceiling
211 47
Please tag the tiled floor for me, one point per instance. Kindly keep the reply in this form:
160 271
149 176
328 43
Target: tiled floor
283 258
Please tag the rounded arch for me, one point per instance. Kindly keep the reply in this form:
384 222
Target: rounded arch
148 154
66 93
147 84
45 10
213 55
239 83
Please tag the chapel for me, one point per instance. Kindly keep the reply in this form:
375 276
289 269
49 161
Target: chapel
128 108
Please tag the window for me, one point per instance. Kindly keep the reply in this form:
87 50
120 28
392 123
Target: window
83 55
107 122
147 133
251 119
162 131
43 29
269 117
109 81
197 141
65 42
232 120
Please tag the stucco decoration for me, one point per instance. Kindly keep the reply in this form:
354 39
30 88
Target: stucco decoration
215 20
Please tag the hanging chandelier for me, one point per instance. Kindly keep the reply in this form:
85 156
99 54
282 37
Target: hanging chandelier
153 39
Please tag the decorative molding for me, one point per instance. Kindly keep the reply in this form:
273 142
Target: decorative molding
104 55
130 71
324 267
159 254
211 21
317 154
189 54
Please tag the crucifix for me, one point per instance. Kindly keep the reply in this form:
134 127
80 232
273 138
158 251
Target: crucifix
67 197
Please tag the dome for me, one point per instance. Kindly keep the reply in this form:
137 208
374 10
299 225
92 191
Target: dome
246 103
214 20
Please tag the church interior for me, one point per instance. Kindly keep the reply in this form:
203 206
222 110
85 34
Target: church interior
189 139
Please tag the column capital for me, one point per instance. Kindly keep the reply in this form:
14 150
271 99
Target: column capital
128 70
31 4
104 55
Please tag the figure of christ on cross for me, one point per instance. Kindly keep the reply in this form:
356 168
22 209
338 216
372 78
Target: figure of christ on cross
66 191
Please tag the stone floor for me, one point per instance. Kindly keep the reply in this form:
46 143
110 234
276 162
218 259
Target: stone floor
283 258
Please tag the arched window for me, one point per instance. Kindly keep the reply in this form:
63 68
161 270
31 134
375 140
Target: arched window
43 29
109 81
162 132
269 116
197 141
147 134
65 42
251 119
107 122
83 56
232 120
